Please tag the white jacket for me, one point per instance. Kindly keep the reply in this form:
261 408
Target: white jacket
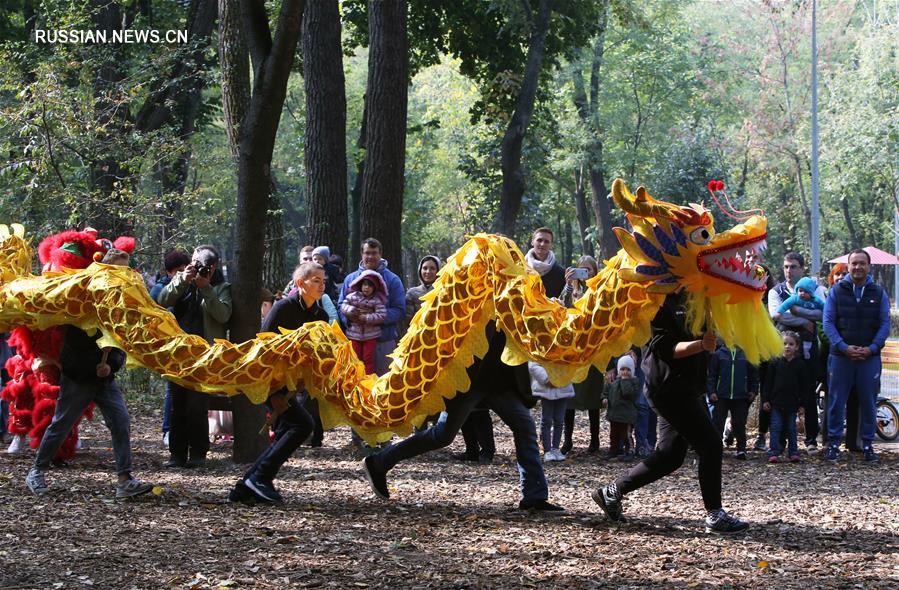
541 387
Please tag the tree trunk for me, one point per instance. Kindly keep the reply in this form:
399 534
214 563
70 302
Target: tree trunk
583 216
325 153
602 210
386 97
274 266
567 241
272 62
588 110
109 215
234 61
513 175
356 198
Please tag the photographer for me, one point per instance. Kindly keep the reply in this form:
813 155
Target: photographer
201 301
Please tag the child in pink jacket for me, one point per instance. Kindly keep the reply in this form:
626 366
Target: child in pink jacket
365 308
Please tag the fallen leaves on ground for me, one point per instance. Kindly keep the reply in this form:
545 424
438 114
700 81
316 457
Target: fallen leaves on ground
448 525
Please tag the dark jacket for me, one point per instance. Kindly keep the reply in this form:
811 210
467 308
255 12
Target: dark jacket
554 281
333 277
80 356
666 375
159 286
864 321
291 312
491 373
730 374
622 395
414 294
788 382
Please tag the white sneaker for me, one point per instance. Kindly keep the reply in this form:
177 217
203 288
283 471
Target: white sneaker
560 456
811 448
17 445
549 456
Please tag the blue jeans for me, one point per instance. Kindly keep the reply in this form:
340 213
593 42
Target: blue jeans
783 421
167 408
645 428
74 397
842 375
552 421
509 408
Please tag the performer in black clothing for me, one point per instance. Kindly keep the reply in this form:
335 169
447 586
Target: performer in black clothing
675 367
292 423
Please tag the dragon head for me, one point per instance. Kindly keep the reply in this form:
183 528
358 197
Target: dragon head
676 248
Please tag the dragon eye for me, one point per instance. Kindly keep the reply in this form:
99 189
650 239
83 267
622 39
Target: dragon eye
700 236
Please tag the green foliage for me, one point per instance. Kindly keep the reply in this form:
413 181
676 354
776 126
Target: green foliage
688 91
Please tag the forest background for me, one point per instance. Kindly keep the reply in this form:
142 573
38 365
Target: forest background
285 123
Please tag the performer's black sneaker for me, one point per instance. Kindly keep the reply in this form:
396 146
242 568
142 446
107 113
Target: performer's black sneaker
377 478
241 493
609 502
264 490
719 521
541 506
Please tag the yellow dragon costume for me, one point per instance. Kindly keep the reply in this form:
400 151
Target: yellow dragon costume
670 248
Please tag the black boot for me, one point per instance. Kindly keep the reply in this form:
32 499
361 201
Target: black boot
569 430
594 431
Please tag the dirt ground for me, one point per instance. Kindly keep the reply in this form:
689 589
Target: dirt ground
448 524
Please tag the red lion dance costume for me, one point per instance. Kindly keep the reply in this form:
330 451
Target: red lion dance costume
32 394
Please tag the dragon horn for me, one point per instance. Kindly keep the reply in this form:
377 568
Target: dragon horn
644 205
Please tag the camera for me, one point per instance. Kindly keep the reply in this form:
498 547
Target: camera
204 270
579 274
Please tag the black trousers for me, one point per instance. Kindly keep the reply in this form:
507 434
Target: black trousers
189 424
311 406
292 428
477 431
684 422
764 417
739 411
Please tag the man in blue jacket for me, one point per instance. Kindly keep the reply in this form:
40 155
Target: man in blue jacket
732 385
857 323
396 300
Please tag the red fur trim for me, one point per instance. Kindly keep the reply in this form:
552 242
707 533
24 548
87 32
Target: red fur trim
16 366
22 398
11 391
19 425
40 420
48 343
44 391
20 339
